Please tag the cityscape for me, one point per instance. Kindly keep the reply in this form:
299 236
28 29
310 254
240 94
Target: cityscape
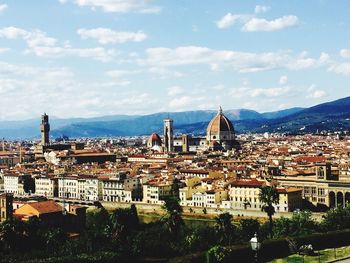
160 131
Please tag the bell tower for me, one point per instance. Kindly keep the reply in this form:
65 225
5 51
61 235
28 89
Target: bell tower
45 130
168 135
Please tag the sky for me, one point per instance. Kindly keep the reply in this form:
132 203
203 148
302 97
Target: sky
87 58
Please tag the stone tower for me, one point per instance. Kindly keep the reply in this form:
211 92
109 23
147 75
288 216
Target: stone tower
168 136
45 130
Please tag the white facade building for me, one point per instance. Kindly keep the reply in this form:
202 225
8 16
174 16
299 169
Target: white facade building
46 186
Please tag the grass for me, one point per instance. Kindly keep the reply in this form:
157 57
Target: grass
325 256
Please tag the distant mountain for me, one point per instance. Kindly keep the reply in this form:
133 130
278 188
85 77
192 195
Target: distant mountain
333 115
147 124
330 116
281 113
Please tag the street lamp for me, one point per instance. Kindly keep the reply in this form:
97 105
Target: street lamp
255 244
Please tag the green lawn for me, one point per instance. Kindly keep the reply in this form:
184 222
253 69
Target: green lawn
325 255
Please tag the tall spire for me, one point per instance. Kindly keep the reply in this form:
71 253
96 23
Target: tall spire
220 110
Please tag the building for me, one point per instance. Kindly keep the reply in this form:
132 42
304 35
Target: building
46 186
47 211
155 142
71 218
220 133
121 189
168 135
18 184
45 130
93 189
6 201
155 193
208 198
244 195
68 187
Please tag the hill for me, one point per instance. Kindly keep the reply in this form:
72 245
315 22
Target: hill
330 116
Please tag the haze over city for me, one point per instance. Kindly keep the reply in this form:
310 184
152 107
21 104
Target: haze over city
84 58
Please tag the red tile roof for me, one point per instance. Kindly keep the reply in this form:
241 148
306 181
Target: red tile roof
46 207
248 183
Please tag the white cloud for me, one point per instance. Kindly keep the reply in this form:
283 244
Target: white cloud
314 93
305 62
108 36
4 50
345 53
243 62
180 103
269 92
283 80
340 68
119 73
42 45
121 6
3 8
261 9
175 90
97 53
261 24
230 19
164 73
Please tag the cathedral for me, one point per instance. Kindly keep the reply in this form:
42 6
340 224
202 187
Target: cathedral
220 135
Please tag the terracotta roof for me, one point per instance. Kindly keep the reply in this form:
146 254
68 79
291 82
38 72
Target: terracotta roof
46 207
248 183
193 171
220 123
311 159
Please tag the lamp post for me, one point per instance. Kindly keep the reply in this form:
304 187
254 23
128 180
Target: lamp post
255 244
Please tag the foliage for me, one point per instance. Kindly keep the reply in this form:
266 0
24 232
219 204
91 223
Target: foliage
122 223
248 228
199 239
225 229
120 234
301 223
172 218
269 196
336 218
217 254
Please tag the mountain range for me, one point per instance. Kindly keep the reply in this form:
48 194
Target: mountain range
328 116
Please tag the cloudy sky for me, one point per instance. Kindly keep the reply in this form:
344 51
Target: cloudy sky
83 58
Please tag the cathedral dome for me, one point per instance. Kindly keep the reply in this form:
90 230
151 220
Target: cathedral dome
154 140
220 123
220 132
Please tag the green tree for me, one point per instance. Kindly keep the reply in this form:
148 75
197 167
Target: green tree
224 228
173 219
268 197
282 227
12 235
123 222
98 229
55 239
249 227
218 254
303 224
336 219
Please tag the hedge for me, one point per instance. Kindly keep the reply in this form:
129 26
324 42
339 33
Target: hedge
279 248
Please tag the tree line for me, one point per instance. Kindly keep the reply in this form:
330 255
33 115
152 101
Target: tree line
120 234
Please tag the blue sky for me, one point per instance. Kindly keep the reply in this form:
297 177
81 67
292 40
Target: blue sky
83 58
